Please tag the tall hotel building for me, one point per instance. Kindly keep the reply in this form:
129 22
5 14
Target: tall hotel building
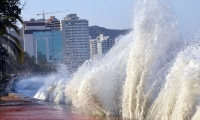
75 34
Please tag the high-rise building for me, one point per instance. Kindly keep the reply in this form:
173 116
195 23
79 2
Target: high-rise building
75 41
43 39
28 28
48 46
93 49
100 46
53 23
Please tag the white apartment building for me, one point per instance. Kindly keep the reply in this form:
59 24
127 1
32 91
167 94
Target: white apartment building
93 49
75 41
100 46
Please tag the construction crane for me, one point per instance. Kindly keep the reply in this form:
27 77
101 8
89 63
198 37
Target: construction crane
50 13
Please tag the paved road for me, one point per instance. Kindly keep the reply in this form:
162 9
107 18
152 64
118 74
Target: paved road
19 107
16 108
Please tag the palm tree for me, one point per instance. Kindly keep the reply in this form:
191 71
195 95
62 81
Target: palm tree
9 15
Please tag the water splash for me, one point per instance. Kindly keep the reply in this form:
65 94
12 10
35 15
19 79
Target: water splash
156 39
179 99
53 89
149 74
96 87
30 86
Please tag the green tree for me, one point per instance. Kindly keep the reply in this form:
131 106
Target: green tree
9 15
29 66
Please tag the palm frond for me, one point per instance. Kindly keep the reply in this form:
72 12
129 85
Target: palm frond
16 40
16 49
19 18
15 28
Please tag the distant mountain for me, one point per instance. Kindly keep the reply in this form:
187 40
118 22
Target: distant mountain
95 31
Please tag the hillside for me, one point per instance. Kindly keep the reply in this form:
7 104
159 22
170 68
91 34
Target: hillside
95 31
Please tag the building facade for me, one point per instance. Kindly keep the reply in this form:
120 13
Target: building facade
44 39
41 38
53 23
100 46
28 29
93 49
48 46
75 41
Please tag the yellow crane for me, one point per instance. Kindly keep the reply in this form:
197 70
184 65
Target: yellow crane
50 13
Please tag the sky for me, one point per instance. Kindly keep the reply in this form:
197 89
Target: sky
113 14
188 14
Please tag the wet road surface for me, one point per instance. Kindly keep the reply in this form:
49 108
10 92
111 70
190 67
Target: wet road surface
15 108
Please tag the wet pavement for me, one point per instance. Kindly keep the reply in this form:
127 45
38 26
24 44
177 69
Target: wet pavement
16 107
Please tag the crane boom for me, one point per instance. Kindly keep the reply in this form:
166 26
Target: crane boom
50 13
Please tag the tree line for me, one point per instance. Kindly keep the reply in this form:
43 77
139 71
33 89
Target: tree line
28 66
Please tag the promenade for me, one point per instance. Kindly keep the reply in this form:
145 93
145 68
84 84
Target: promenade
18 107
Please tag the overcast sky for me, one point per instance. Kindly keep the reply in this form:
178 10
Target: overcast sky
114 14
